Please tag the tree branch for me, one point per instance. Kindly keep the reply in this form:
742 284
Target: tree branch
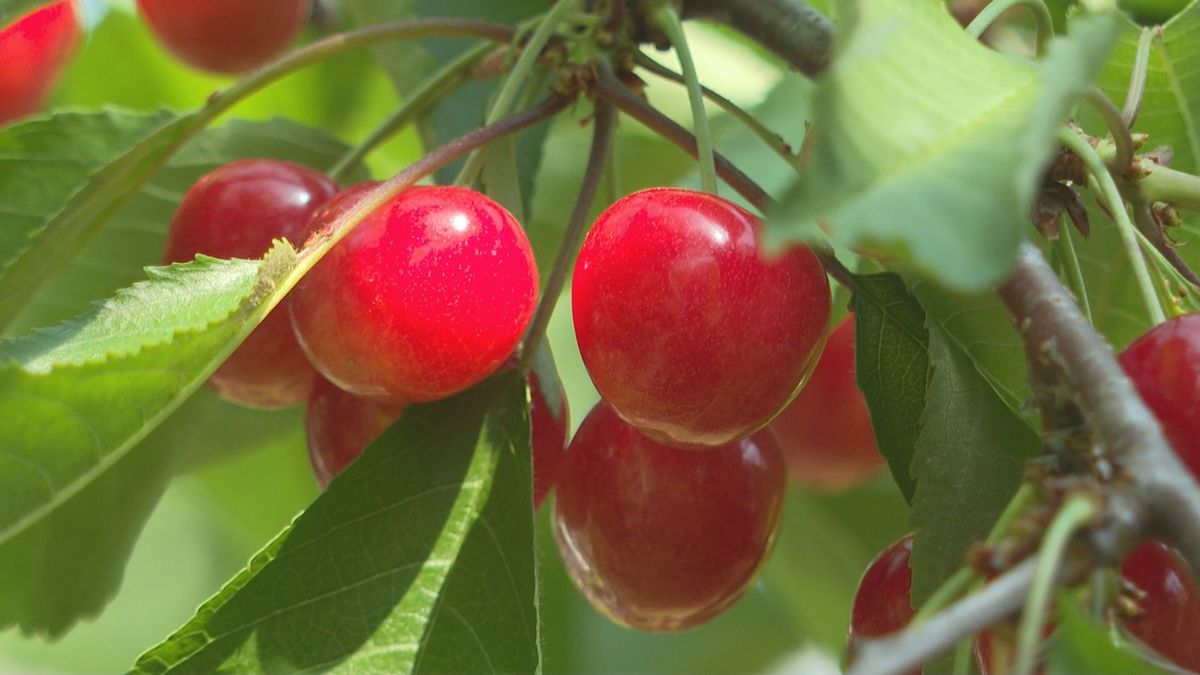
791 29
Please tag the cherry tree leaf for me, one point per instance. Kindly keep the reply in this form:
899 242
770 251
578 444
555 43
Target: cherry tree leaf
943 182
1080 646
419 557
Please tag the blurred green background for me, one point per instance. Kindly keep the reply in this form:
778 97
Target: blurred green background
212 520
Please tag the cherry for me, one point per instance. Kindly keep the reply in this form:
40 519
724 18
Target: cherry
548 421
688 330
225 36
34 50
424 298
825 433
659 538
1164 365
1171 606
340 426
883 601
236 211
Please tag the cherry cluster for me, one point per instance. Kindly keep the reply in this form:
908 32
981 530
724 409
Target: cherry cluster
1164 365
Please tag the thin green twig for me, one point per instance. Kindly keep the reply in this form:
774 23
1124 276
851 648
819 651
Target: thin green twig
1074 514
1122 139
516 78
1065 247
1041 16
1111 197
1137 78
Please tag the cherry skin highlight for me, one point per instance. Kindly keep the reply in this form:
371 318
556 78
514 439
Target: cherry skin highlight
825 433
1171 607
1164 365
663 539
424 298
34 51
236 211
340 426
225 36
688 330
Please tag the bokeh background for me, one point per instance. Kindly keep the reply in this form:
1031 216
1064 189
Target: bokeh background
249 473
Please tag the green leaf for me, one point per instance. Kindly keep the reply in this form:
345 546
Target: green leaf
932 157
1080 646
463 110
970 459
418 557
891 359
81 394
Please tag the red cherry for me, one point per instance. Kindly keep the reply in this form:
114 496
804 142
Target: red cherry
1171 608
548 433
235 212
34 50
1164 365
663 539
883 601
423 299
340 426
687 329
826 433
225 36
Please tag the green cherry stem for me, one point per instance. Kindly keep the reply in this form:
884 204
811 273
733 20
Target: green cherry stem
664 15
1137 78
771 139
1074 514
432 90
1122 139
1111 197
1041 16
1065 247
507 95
602 140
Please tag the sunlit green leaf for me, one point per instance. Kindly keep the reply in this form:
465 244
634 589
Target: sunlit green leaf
1080 646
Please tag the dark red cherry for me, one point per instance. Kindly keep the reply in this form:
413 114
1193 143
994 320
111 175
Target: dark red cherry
236 211
1164 365
424 298
548 420
825 433
340 426
1170 619
225 36
34 50
883 601
663 539
688 329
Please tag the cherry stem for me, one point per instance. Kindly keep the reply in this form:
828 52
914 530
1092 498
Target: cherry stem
1137 78
1122 160
1064 246
1112 199
664 15
433 89
602 140
609 88
771 139
1041 17
1074 514
517 77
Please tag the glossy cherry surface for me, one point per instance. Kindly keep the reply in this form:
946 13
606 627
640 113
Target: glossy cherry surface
663 539
825 433
225 36
426 297
1170 621
1164 364
340 426
549 418
883 601
236 211
686 327
34 50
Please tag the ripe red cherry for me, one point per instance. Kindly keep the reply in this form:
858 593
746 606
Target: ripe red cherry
688 330
426 297
340 426
34 50
236 211
663 539
548 420
225 36
1164 365
883 601
1171 608
826 433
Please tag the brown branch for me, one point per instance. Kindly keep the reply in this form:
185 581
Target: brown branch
791 29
